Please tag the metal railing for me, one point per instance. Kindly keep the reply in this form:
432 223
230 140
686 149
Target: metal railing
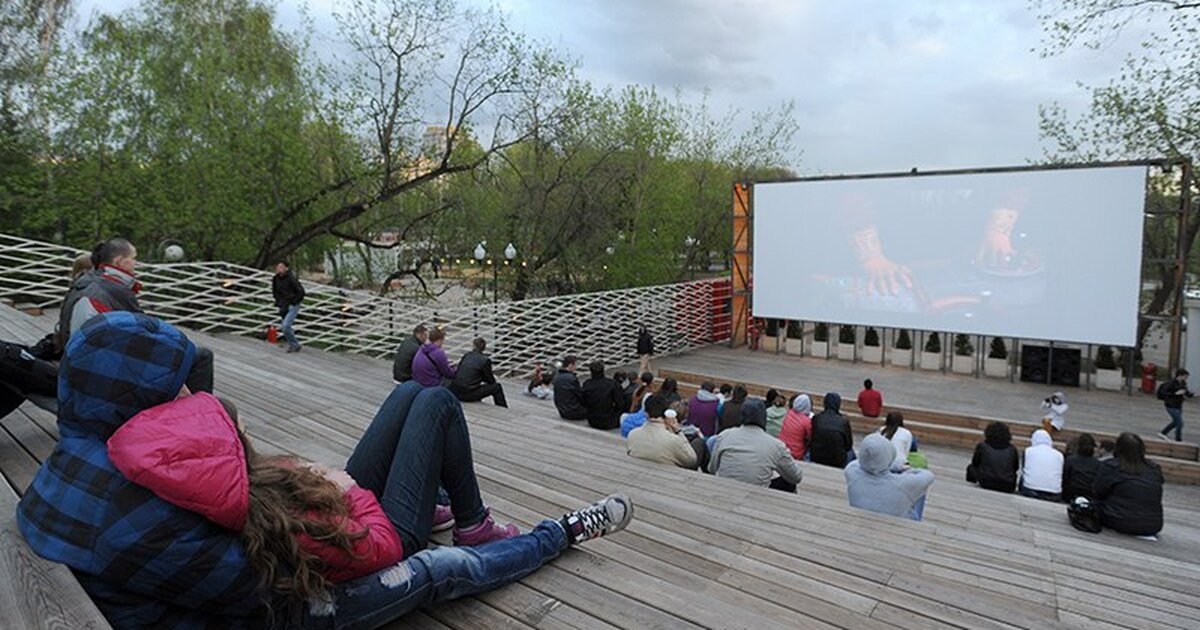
224 297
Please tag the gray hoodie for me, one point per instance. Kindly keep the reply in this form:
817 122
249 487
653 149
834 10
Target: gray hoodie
749 454
872 484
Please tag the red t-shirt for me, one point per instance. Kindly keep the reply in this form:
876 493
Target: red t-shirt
870 402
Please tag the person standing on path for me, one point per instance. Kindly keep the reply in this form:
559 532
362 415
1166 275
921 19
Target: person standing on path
1172 394
645 348
288 293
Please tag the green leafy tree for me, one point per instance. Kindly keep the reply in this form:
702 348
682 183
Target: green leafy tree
933 343
903 340
962 345
998 350
871 337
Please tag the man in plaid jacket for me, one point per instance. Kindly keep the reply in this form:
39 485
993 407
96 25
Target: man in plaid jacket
145 562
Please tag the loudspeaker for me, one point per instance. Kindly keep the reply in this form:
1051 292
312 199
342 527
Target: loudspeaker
1035 361
1064 367
1058 367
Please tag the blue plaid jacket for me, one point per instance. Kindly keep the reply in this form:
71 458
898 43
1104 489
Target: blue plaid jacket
145 562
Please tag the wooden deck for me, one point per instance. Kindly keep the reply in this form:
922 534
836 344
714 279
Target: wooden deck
707 552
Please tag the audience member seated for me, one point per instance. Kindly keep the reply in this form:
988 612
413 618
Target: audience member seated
1128 489
670 390
893 429
724 393
703 409
403 360
633 419
875 482
796 433
870 400
1079 468
659 439
431 367
622 380
603 399
832 441
748 454
995 462
1041 476
776 412
540 386
637 399
731 412
473 380
770 398
568 395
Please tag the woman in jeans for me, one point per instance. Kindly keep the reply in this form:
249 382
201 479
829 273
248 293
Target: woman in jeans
168 520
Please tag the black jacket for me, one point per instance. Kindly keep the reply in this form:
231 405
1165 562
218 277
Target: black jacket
1130 504
1173 400
604 402
287 290
645 343
1079 472
831 438
402 362
995 467
474 370
568 396
731 415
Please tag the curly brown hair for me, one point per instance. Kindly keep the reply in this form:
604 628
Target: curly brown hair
287 499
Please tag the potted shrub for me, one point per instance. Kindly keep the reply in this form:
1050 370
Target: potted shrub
1108 376
846 340
963 361
770 336
931 358
795 337
996 362
872 352
820 344
902 351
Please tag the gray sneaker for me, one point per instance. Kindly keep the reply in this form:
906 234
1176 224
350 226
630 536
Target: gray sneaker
606 516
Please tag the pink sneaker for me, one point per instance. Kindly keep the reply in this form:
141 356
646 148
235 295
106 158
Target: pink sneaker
486 531
443 518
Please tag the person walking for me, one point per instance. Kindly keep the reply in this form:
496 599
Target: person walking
1172 394
645 348
288 293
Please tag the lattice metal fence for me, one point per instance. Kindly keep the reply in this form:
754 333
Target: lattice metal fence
223 297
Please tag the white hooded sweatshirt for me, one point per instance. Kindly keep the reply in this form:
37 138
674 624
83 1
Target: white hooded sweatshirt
1043 464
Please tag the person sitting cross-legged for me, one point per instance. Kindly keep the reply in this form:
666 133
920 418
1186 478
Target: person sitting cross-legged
796 433
832 441
875 482
430 367
703 409
995 462
174 521
473 380
568 394
747 453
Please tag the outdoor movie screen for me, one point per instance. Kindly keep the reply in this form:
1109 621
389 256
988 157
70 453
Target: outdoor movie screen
1037 254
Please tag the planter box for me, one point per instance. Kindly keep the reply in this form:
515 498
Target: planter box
794 346
962 365
931 360
996 368
1109 379
872 354
902 358
845 351
768 344
819 349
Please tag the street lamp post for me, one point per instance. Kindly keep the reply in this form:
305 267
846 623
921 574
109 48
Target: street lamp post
480 254
510 252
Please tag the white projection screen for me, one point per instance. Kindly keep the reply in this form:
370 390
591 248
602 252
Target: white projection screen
1037 254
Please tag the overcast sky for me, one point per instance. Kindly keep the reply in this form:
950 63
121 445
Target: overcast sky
879 85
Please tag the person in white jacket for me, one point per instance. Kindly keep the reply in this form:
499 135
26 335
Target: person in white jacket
1041 476
749 454
1056 408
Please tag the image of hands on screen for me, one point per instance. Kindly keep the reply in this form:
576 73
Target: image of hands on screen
1035 254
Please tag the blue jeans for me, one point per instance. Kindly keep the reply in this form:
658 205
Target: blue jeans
918 509
1176 423
432 576
417 441
289 318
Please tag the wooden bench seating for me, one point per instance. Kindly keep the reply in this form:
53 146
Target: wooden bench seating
705 552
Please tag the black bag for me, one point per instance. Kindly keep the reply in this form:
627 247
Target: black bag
1164 390
1084 516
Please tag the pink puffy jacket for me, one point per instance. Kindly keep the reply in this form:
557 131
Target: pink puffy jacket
188 453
